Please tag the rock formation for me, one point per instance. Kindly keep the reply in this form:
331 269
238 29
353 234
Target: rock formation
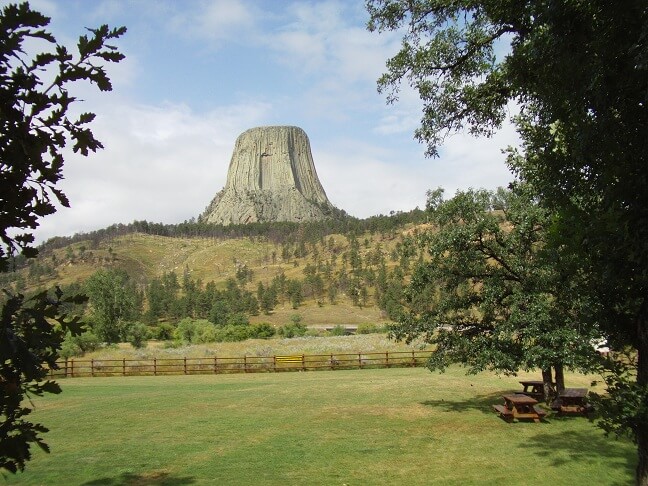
271 177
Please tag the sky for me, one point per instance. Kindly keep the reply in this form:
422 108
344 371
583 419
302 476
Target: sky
199 73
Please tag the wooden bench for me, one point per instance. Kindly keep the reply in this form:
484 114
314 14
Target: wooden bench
541 412
518 406
572 401
533 389
504 412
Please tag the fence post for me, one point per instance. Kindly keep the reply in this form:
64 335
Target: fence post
274 363
66 367
215 364
303 362
123 366
72 368
154 366
413 359
332 363
92 367
359 361
245 370
387 359
184 366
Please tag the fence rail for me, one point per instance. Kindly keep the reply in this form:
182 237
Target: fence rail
73 368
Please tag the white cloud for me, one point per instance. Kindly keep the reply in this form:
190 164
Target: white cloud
165 161
214 20
160 163
325 36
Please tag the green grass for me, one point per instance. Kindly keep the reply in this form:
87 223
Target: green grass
393 426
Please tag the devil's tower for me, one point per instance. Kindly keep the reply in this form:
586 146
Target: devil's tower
271 177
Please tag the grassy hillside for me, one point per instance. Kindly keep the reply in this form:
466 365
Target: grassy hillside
145 256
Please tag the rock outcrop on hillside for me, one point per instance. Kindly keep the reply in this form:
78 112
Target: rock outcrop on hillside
271 178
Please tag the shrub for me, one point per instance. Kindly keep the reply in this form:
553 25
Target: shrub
185 330
79 345
370 328
205 334
195 331
238 319
315 333
232 333
262 330
172 344
292 330
162 331
338 331
138 334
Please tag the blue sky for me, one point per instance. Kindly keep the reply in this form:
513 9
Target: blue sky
198 73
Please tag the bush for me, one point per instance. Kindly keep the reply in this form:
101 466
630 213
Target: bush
185 330
79 345
338 331
262 330
195 331
138 335
231 334
238 319
315 333
369 328
163 331
172 344
292 330
205 334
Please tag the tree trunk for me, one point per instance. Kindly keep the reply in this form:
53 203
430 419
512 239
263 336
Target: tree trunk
560 377
547 384
642 381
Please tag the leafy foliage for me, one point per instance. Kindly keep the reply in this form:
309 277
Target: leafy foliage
491 294
578 72
29 346
35 127
115 304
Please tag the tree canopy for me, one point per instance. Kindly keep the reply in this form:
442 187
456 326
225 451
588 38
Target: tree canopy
35 125
578 73
492 294
34 130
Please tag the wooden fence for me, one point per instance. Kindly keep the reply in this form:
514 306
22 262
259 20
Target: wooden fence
72 368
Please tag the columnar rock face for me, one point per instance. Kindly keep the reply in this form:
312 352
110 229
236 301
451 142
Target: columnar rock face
271 177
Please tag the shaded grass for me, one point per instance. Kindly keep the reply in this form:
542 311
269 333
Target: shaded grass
394 426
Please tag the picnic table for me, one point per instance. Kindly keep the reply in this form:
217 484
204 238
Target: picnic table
533 388
520 406
573 401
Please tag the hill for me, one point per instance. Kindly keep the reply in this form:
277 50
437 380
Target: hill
344 268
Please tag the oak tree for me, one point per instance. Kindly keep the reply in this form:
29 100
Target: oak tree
35 127
491 294
578 72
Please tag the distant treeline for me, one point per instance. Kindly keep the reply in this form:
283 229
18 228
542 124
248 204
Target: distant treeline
276 232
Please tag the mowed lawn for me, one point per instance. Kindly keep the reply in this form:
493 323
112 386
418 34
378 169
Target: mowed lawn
363 427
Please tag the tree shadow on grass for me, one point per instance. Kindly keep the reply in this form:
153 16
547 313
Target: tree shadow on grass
482 403
584 447
159 478
559 446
